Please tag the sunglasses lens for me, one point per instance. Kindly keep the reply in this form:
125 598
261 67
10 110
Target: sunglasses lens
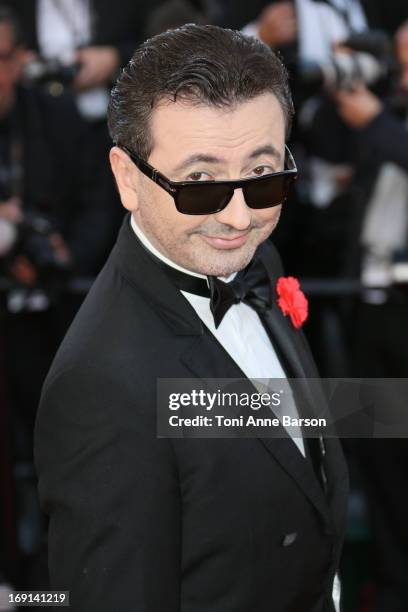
202 199
268 192
209 198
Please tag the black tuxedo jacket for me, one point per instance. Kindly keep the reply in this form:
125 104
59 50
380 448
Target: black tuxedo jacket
176 525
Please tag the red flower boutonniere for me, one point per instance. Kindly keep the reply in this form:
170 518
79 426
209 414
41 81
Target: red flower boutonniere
292 301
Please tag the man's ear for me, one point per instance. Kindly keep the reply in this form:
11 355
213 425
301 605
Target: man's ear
127 178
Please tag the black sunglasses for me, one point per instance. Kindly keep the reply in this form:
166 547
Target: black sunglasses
209 197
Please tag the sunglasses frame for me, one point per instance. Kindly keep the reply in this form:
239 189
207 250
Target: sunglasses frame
175 187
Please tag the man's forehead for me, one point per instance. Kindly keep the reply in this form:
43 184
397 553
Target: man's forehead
184 107
218 132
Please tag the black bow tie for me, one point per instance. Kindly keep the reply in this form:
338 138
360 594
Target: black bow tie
251 285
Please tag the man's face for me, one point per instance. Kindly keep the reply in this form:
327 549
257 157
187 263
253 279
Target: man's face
230 143
10 67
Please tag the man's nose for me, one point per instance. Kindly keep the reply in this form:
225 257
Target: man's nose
236 213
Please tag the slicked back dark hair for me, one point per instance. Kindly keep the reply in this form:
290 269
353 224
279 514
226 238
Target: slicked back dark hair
201 64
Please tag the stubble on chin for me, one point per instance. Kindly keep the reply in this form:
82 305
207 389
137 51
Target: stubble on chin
207 260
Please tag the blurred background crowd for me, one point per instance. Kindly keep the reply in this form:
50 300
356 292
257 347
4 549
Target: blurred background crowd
343 231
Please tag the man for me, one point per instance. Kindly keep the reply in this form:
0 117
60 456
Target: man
142 523
379 247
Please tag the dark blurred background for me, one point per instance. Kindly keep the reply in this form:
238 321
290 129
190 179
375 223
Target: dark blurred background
343 232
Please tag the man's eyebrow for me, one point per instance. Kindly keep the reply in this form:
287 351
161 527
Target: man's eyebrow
212 159
198 157
266 150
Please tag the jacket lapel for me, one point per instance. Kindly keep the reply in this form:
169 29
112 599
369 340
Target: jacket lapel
207 358
298 362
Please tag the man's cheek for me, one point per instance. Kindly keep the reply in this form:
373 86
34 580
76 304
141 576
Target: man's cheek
274 218
267 219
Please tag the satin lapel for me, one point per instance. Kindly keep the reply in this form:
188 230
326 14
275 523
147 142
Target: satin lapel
284 342
288 340
336 470
207 358
296 360
291 347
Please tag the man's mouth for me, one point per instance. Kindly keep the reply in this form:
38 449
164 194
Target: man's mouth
226 242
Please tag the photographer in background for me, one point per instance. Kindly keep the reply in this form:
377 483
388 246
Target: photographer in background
88 39
55 222
76 48
55 218
379 248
